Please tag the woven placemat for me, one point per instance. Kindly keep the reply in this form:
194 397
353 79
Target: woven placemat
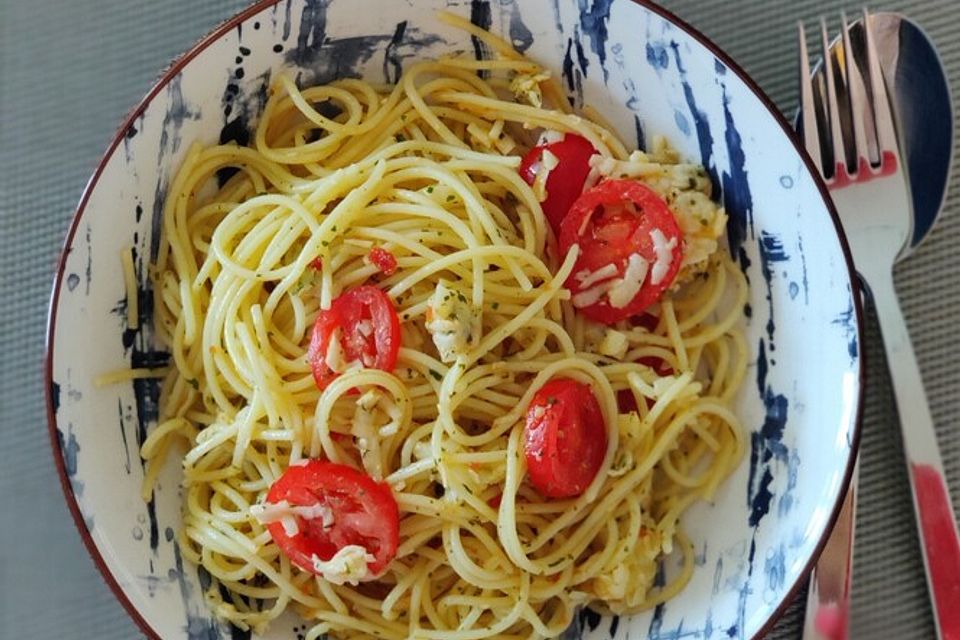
69 71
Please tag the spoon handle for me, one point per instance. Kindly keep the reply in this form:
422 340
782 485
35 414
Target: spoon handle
936 522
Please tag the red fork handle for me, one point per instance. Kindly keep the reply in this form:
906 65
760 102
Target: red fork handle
941 544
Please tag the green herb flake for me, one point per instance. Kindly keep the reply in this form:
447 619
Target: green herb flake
495 305
193 383
436 375
451 198
430 189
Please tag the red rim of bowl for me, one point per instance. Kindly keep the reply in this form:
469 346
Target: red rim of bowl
215 34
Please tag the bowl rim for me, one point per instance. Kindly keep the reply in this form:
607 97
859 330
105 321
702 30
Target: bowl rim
213 35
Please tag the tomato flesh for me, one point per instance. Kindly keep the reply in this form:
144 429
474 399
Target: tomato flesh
610 222
365 514
565 438
369 332
383 260
565 181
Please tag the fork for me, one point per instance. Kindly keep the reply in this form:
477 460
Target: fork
849 132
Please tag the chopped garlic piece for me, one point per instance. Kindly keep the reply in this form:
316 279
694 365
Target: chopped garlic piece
549 136
527 85
365 327
549 160
664 251
604 165
451 321
613 344
348 565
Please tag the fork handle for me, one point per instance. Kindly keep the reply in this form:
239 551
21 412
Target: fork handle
935 518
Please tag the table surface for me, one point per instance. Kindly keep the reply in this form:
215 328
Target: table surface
69 71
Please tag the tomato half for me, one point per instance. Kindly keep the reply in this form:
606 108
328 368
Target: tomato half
565 181
611 222
365 513
369 333
565 438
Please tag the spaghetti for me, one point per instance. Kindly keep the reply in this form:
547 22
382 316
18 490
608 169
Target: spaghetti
426 173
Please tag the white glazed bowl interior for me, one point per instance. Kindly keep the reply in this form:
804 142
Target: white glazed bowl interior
648 75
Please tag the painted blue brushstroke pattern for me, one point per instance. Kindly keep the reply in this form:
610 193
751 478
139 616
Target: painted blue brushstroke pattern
847 320
520 35
593 24
322 59
775 568
480 15
766 446
737 198
771 252
392 61
657 55
639 133
700 122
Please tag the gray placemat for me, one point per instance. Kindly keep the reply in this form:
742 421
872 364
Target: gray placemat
70 70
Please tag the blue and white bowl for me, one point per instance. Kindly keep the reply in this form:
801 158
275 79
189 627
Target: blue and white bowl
648 73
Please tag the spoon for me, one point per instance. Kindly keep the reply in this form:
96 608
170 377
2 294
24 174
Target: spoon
912 68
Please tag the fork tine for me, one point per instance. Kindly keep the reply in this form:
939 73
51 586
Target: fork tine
861 115
833 110
883 116
811 132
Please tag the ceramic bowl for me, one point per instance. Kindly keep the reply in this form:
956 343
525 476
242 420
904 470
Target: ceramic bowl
648 73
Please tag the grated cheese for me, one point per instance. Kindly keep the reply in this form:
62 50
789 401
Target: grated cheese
664 251
287 515
587 278
627 287
349 565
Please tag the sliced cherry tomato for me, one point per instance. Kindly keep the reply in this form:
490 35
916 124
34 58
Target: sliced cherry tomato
565 438
365 514
565 181
369 332
611 222
383 260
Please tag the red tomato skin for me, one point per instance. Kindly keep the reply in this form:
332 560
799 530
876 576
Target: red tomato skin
341 487
383 260
566 180
565 445
610 238
360 303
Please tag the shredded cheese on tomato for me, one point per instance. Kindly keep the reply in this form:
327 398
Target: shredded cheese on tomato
286 514
664 251
334 355
348 565
627 287
587 278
